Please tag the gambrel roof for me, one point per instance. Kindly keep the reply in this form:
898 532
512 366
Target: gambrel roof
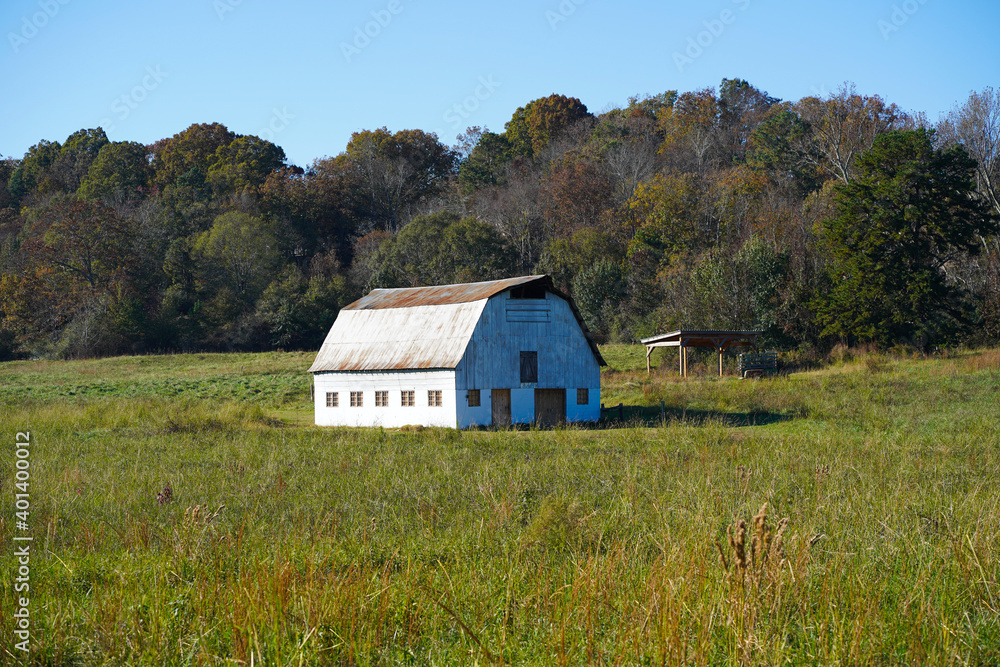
415 328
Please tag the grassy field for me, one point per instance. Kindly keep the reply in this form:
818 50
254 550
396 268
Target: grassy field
844 516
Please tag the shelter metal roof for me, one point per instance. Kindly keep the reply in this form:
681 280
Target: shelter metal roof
714 338
417 327
718 340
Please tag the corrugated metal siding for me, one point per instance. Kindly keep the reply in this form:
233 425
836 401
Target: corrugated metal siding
418 337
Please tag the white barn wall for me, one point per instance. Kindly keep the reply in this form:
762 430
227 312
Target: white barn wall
469 416
395 382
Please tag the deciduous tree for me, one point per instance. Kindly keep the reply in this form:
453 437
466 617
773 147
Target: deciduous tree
442 248
193 149
395 171
844 126
535 125
33 174
690 131
120 173
242 251
574 194
742 108
244 162
976 126
78 152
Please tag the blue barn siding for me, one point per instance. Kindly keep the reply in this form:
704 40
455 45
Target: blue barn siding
506 328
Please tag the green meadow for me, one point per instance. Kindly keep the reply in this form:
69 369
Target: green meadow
185 511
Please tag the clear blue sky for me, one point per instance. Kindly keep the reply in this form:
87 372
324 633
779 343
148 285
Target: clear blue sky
297 73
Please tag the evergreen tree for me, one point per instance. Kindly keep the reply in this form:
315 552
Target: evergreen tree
910 212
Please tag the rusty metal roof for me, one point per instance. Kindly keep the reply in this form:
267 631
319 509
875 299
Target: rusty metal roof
406 297
416 327
420 337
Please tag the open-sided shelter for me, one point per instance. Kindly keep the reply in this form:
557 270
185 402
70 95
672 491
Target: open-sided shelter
502 352
682 339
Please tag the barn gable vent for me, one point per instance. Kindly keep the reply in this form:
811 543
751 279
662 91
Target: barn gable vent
523 312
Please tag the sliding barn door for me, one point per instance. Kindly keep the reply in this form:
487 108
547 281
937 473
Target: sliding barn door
550 406
500 399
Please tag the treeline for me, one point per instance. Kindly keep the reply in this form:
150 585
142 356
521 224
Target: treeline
833 219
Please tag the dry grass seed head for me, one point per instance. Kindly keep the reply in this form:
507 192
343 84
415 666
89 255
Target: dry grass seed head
779 538
760 542
199 516
737 541
765 546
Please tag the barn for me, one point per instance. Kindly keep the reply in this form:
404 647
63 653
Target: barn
496 353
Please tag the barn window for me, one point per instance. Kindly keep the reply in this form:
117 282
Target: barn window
331 399
434 398
529 367
406 398
530 291
357 399
473 397
381 399
582 396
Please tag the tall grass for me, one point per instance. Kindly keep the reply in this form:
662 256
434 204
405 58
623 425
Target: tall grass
832 517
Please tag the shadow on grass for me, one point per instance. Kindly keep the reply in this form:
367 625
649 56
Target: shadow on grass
628 416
